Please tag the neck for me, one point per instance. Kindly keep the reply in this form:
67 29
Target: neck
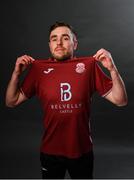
64 59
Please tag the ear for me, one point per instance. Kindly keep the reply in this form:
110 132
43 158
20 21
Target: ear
49 44
75 44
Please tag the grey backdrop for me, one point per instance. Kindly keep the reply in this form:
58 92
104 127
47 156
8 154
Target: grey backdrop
99 23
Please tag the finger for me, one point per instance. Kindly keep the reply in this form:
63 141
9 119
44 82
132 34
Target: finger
31 58
94 55
102 50
98 54
101 57
26 59
22 61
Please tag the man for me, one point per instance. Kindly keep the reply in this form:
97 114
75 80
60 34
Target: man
65 84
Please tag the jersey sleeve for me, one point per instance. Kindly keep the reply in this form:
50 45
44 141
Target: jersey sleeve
28 84
103 83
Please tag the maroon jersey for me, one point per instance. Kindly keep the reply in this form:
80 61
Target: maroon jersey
65 89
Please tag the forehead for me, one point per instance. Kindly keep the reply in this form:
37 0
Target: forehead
61 30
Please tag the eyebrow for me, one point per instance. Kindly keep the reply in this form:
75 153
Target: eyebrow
54 36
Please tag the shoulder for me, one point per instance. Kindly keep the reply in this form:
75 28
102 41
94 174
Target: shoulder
37 65
86 59
39 62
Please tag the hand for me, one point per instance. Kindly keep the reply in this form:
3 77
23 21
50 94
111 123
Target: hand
22 63
105 58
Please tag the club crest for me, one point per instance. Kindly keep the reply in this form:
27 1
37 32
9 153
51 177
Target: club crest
80 68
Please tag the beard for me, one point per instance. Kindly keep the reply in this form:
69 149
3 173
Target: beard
62 57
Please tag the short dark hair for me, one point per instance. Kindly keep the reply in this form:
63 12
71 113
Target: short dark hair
60 24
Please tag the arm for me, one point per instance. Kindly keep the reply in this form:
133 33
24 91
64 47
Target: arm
118 93
14 96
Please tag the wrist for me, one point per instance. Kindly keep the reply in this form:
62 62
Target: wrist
15 75
113 70
16 72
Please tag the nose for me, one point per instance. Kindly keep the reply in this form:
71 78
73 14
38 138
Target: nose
59 41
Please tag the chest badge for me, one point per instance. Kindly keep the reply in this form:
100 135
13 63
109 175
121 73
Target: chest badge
80 68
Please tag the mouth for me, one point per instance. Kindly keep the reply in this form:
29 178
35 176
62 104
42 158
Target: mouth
59 49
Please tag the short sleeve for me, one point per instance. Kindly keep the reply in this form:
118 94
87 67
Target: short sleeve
103 83
28 84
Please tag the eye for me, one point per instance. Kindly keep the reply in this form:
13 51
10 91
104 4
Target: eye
66 38
54 39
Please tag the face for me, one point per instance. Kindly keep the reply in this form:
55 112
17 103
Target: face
62 43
